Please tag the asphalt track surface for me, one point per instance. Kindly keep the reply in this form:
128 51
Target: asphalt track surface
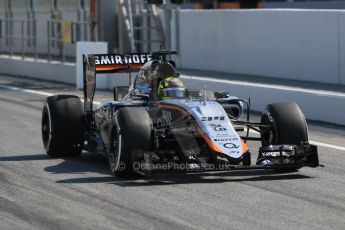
38 192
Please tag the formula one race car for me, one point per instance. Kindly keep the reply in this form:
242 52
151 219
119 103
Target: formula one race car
158 125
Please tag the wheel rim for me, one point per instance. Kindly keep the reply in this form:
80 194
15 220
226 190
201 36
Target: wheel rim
46 128
114 154
268 136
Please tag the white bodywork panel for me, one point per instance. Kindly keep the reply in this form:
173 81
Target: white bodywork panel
215 123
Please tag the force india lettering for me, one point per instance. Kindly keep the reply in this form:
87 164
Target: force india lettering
116 59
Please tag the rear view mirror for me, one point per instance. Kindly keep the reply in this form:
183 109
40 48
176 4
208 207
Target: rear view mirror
119 92
222 94
194 93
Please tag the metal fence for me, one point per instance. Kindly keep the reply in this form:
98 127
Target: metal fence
19 38
58 38
15 31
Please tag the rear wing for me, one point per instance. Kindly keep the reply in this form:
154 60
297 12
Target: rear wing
107 63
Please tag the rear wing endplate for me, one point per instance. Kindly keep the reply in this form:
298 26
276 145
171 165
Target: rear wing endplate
107 63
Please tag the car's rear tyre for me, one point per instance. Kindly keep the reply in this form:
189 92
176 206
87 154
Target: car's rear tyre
289 126
62 126
131 135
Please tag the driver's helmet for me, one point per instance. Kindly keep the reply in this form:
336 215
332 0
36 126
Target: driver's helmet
171 87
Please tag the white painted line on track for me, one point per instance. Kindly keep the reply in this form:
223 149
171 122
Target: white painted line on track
37 92
262 85
42 93
320 144
327 145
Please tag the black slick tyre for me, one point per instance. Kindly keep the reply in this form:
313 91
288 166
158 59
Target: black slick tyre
62 126
131 135
289 126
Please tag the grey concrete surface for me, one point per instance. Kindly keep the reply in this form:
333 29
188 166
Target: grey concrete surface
38 192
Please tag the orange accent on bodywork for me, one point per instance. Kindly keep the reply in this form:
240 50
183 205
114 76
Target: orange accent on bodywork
117 67
244 147
210 143
183 111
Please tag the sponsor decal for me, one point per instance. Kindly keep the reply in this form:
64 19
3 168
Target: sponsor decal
230 146
218 118
218 127
270 118
116 59
165 120
274 154
270 154
225 139
222 135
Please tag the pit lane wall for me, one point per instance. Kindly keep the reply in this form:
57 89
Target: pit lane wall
38 69
307 45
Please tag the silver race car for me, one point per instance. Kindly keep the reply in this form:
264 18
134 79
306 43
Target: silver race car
157 125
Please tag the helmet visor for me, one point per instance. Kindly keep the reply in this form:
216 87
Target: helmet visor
174 92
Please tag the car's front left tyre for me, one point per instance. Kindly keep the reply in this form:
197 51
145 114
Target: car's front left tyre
131 136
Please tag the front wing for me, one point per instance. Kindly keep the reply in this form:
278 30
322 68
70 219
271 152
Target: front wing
277 157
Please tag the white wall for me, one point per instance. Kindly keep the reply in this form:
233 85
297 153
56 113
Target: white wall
86 48
304 45
334 4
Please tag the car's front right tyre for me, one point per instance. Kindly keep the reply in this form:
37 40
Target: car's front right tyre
288 126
